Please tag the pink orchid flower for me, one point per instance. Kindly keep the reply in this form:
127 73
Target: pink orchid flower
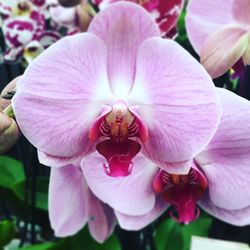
218 180
118 89
220 33
165 12
72 205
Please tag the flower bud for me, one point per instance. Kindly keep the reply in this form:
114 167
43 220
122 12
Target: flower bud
85 13
7 94
9 132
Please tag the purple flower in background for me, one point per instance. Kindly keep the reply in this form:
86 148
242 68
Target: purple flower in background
218 180
24 29
220 33
118 89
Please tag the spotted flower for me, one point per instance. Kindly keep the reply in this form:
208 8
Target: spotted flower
23 26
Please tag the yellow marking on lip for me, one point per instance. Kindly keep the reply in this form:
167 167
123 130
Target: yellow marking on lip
180 180
119 129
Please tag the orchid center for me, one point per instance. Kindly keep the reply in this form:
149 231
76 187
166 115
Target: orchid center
119 131
182 192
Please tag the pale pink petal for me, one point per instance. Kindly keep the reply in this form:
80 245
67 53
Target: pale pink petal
56 161
63 16
61 93
177 100
164 12
67 200
223 48
123 27
101 219
129 222
131 195
238 217
204 17
246 56
241 11
225 162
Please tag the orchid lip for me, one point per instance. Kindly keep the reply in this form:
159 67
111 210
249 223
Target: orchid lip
185 218
118 173
182 192
115 130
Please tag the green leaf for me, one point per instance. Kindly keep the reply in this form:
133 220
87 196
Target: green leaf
58 245
182 37
7 232
173 236
162 233
80 241
83 240
199 227
11 172
41 192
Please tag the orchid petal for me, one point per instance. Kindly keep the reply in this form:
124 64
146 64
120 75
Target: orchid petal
225 162
131 195
238 217
58 99
67 200
241 10
246 56
223 48
56 161
129 222
204 17
123 27
101 219
180 109
63 16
